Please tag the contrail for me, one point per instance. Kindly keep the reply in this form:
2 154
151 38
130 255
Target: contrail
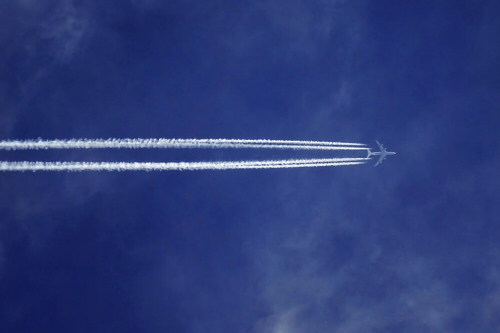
285 142
176 143
154 166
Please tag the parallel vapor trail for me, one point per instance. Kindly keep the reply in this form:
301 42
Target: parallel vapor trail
176 143
152 166
285 142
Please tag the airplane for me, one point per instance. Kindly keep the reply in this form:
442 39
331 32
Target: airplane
383 153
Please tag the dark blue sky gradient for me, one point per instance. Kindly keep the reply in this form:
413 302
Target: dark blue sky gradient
410 246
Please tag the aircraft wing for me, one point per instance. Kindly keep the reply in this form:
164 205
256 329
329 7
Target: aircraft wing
380 146
379 160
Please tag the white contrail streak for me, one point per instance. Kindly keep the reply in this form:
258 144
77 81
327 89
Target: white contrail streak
176 143
285 142
153 166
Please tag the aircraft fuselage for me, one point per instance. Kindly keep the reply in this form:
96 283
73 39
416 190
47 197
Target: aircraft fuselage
382 153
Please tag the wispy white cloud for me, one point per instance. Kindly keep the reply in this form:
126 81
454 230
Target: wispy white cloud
34 37
54 29
491 306
2 259
65 28
306 23
285 322
329 273
303 27
307 298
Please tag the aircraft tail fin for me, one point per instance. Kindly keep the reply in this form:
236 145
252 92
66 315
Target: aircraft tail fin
369 152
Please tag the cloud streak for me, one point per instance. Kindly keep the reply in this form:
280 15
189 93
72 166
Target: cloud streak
175 143
179 166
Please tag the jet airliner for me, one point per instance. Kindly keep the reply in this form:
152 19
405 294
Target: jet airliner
383 153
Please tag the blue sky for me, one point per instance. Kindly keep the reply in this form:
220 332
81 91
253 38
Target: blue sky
409 246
